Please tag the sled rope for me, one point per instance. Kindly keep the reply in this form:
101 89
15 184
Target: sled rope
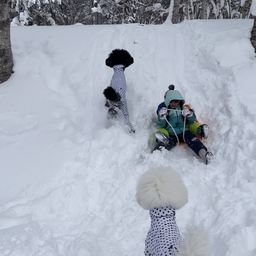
173 128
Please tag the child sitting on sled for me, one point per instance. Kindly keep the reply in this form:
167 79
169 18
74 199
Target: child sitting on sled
174 120
196 127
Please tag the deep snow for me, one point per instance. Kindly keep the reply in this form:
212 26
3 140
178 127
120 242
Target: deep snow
68 175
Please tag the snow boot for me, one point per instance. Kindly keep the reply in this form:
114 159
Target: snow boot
160 145
205 155
161 137
129 128
203 130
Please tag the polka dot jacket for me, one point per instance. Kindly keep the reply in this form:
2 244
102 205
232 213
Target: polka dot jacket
163 238
118 83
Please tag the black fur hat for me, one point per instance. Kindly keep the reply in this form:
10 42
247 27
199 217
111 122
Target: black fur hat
119 57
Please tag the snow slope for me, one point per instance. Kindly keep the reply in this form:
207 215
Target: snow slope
68 175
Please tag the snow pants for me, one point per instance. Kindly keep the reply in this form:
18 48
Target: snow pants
190 139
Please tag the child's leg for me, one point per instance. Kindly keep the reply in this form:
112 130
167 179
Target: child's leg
193 127
199 129
192 141
124 109
172 143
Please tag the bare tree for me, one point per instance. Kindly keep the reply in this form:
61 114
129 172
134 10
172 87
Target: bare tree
175 13
253 35
245 9
6 61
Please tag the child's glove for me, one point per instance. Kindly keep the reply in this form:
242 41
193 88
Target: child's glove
162 113
187 112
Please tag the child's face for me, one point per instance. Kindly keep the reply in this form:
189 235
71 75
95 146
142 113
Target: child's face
174 103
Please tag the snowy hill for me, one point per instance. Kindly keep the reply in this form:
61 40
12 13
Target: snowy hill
69 175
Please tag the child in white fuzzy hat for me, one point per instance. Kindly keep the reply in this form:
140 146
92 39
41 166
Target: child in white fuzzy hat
162 192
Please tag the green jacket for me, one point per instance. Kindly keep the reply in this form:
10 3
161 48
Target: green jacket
174 116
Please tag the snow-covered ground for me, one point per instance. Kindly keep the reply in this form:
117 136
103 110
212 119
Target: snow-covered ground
69 175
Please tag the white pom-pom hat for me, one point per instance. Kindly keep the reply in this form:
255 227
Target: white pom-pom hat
160 187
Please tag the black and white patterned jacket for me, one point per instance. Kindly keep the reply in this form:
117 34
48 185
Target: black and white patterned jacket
163 238
118 83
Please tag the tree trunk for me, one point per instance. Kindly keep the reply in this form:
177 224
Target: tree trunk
246 8
175 13
6 61
253 35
